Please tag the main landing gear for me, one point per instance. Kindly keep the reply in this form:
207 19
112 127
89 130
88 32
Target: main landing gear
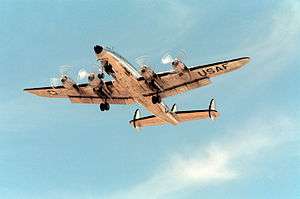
104 106
156 99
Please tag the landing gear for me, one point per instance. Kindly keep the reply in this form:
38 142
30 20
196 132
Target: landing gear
107 67
156 99
104 106
101 75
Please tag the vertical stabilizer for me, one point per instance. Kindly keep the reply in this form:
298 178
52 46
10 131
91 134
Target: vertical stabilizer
212 107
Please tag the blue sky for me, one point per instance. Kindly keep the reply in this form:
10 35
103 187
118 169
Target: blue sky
55 149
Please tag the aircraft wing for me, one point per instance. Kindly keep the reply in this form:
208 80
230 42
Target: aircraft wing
198 76
207 70
85 94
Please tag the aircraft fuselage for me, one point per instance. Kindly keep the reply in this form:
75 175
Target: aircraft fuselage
128 76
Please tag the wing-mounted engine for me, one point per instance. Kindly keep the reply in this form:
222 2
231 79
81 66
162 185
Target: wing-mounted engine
95 81
99 87
179 67
151 78
177 64
64 79
69 84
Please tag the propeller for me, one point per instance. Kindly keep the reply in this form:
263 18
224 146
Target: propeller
82 74
65 69
85 74
142 60
167 59
172 55
54 82
63 72
110 47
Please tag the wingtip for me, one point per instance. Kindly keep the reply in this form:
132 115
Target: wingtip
213 113
30 89
244 60
247 59
27 89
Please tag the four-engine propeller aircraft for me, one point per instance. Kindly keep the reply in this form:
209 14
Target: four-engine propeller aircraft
144 87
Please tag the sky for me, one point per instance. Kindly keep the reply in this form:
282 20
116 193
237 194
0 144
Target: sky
50 148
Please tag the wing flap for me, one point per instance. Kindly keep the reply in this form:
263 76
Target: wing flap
181 88
99 100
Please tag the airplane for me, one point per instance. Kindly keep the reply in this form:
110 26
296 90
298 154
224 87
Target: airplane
144 87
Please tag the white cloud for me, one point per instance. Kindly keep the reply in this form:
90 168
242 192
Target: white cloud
182 16
229 158
175 18
216 163
277 45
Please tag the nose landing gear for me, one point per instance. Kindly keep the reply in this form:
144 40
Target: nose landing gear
104 106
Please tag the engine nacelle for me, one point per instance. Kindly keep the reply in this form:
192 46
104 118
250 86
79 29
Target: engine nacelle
95 80
179 66
67 82
148 73
151 78
99 87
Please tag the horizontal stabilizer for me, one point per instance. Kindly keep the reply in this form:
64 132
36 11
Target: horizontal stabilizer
181 116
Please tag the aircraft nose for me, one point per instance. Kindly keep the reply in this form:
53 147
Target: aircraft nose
98 49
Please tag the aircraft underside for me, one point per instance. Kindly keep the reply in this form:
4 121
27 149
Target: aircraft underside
144 87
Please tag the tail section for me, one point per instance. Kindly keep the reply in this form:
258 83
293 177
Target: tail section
181 116
174 108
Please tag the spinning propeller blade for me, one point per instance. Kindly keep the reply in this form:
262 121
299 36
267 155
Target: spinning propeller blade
172 55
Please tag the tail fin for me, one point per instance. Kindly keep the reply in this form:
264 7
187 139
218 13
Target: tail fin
136 116
174 108
211 108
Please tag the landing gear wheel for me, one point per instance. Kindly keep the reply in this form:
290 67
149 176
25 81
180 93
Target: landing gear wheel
102 107
107 106
101 75
156 99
